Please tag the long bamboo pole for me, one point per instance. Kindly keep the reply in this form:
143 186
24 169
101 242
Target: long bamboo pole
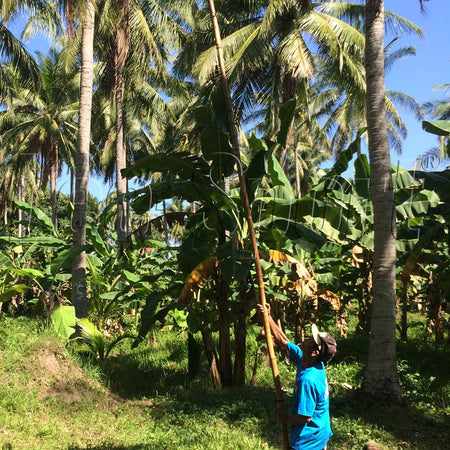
248 215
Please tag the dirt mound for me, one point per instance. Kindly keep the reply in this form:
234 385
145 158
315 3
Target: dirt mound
59 378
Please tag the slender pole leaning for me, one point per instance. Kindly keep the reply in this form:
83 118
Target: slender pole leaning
248 216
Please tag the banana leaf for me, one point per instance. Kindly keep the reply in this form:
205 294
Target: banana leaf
64 320
439 127
42 218
12 291
182 164
64 260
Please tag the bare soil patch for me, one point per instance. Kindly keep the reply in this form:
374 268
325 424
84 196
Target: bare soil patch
57 377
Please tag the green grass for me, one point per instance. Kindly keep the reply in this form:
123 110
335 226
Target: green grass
144 398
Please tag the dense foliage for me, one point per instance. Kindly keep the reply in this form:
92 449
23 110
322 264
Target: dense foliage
169 250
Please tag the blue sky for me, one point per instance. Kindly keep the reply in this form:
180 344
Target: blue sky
417 75
412 75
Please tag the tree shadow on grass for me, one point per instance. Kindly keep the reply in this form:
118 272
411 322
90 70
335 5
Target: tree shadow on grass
165 380
408 425
420 421
146 372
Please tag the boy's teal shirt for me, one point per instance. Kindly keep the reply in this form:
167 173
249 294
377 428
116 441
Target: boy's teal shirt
311 399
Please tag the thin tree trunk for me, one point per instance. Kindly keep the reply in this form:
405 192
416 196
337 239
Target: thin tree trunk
121 52
53 180
79 297
435 310
225 364
211 356
297 173
404 300
164 222
248 298
72 185
276 96
381 378
289 89
248 214
20 231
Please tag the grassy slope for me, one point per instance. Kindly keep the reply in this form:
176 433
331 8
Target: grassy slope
142 399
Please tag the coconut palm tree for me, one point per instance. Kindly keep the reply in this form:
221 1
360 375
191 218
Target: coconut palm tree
381 378
137 38
275 50
79 297
11 49
40 119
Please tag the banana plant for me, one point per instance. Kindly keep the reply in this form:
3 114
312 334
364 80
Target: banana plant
217 230
37 263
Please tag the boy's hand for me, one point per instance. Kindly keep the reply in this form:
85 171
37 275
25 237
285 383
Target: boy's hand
259 307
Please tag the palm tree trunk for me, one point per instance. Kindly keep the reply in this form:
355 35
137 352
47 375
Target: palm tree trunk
290 84
79 297
72 185
381 378
20 231
53 180
249 218
276 96
122 48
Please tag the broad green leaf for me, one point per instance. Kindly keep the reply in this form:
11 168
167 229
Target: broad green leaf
279 179
419 204
216 147
93 237
362 176
186 190
402 179
344 158
94 260
110 295
64 260
234 263
257 169
202 115
328 219
435 181
92 336
309 239
182 164
439 127
257 144
131 277
64 320
12 291
31 273
38 240
39 214
149 316
5 262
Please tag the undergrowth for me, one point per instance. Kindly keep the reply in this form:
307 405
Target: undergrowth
145 399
